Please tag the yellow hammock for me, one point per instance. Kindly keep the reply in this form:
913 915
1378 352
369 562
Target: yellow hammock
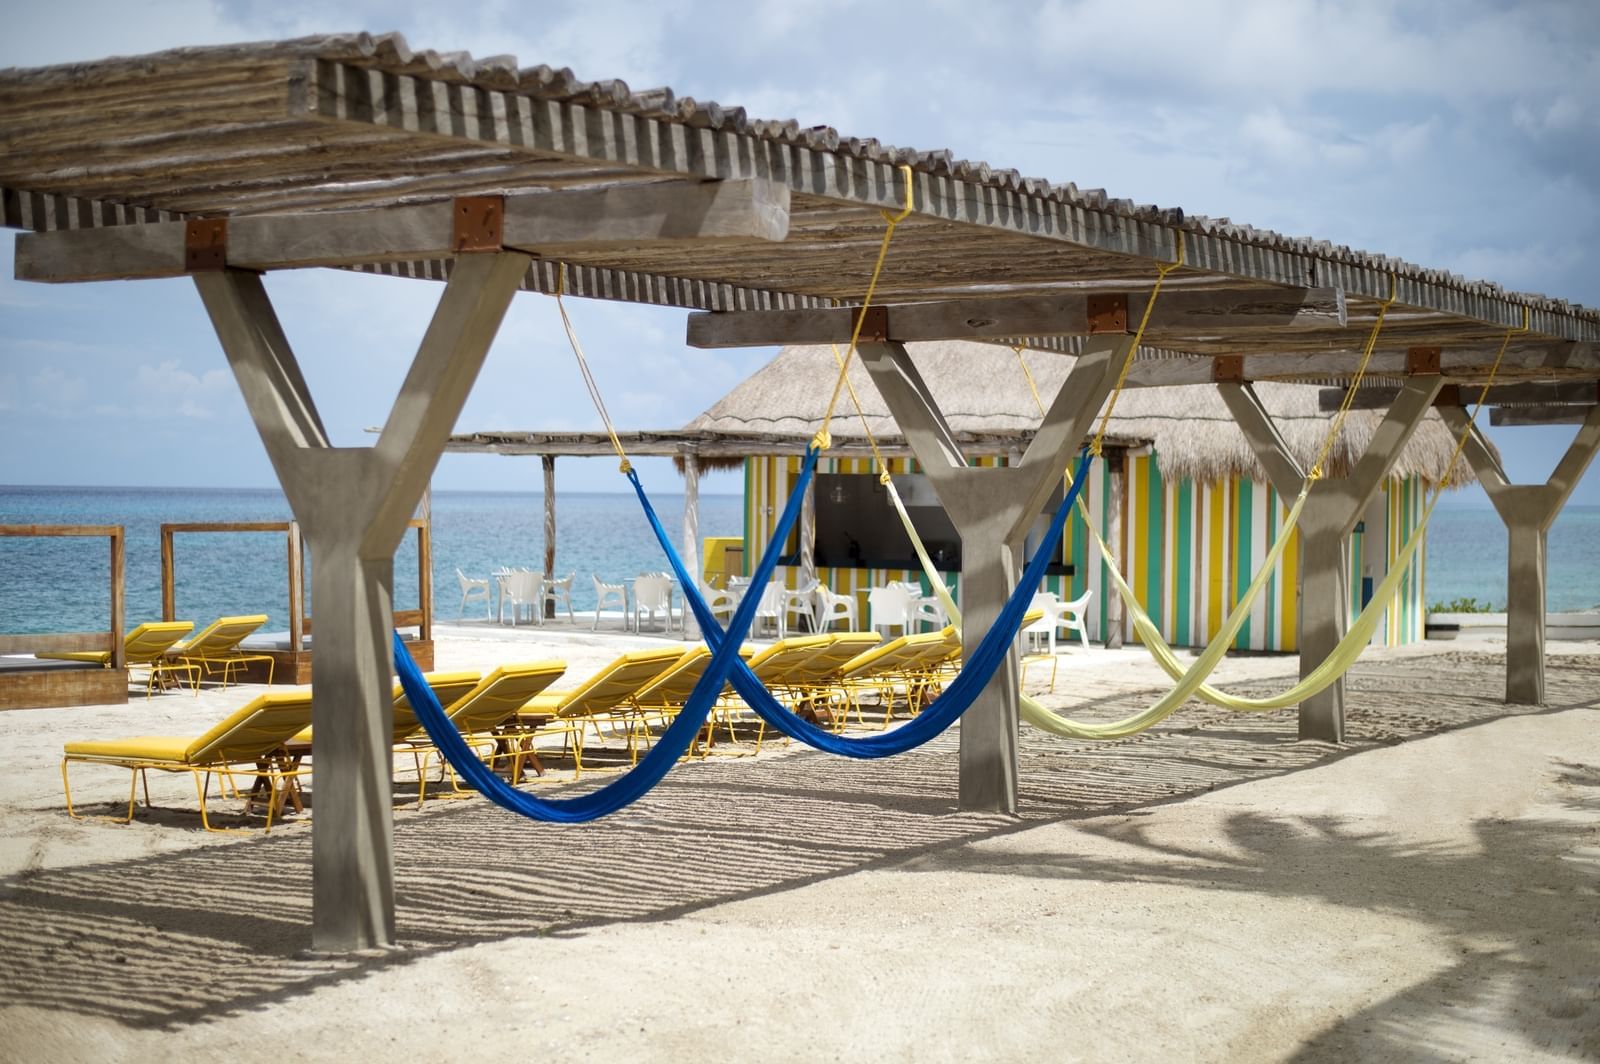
1187 683
1333 666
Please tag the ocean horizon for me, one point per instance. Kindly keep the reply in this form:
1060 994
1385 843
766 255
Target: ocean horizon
53 585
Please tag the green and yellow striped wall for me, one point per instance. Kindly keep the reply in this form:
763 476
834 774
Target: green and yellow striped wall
1189 550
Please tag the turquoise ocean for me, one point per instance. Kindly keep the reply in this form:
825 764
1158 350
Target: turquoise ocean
53 585
59 584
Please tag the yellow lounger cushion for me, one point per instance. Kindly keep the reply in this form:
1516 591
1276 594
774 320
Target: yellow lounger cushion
256 728
500 694
610 687
141 646
221 636
448 687
137 748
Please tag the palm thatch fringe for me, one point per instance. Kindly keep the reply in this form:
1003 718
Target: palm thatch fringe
984 393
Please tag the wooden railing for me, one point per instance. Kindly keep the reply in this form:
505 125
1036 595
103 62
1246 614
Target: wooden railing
109 640
299 623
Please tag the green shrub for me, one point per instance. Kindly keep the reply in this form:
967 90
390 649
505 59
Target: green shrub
1463 605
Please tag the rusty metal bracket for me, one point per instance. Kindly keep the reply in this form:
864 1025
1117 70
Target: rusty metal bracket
205 244
1108 313
1422 361
1449 395
874 325
478 223
1227 369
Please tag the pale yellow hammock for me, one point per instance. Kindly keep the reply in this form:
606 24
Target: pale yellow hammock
1191 682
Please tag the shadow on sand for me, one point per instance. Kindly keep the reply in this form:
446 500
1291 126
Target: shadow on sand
169 940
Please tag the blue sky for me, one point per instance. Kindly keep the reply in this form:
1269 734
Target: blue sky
1459 134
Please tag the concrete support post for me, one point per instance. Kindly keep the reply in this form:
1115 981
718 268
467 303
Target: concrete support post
992 510
1525 610
353 505
1528 511
1330 515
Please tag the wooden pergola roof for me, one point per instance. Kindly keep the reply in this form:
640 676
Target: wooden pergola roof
359 122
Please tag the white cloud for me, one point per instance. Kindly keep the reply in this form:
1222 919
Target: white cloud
167 389
57 392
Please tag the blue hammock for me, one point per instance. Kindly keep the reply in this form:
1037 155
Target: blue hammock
673 743
940 713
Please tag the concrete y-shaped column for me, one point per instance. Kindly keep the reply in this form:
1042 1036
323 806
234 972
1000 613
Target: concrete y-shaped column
1528 511
353 504
1330 515
992 509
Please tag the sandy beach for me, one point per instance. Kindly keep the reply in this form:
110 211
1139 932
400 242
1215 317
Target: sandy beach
1210 890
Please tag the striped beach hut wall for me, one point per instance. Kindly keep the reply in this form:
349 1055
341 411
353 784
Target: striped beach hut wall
1191 549
1193 516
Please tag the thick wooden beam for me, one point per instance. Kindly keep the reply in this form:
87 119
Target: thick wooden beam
1583 393
547 222
1514 416
1069 314
1457 364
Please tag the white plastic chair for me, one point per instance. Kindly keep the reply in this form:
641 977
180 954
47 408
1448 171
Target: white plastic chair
524 590
800 604
831 606
926 609
770 608
1046 625
472 589
720 600
502 586
1069 615
604 593
652 594
557 591
890 607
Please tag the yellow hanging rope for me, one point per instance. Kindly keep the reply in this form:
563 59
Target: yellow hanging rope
1317 470
822 440
583 366
1133 349
884 476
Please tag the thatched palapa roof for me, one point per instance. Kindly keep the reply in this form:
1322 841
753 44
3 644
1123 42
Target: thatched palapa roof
988 404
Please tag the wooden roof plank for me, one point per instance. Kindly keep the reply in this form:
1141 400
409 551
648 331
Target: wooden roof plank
674 213
1066 314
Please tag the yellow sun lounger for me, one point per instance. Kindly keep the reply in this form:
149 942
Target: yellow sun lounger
217 645
783 669
486 716
609 696
250 740
447 687
904 665
666 695
144 648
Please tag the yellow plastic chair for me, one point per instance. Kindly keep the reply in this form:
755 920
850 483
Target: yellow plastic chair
607 697
486 716
252 739
144 648
218 645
